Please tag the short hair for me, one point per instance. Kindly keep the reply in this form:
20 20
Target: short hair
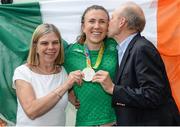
33 58
135 18
82 37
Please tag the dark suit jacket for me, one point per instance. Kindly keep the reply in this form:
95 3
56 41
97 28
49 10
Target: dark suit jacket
142 94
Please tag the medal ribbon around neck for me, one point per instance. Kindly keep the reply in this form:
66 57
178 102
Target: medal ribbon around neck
99 58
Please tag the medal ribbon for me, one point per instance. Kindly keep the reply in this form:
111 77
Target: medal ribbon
99 58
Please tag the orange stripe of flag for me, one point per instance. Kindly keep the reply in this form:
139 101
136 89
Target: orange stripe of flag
168 36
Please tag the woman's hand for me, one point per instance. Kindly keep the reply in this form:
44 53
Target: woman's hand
74 77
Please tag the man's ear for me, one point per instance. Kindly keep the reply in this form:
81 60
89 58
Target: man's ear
122 21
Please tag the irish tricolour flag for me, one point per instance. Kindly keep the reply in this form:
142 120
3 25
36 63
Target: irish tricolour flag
18 21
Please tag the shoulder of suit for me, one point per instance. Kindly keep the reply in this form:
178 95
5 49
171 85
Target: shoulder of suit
142 42
144 46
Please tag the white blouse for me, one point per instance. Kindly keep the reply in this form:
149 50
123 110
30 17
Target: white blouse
42 85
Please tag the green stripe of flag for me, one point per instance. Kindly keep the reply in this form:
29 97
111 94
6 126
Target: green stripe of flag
17 23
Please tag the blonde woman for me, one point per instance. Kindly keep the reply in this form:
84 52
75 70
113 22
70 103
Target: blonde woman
42 83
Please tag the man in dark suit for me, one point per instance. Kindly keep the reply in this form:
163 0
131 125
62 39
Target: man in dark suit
141 94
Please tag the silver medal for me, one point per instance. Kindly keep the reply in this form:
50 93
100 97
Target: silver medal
88 74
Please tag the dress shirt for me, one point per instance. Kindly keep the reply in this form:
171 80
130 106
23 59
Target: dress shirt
122 46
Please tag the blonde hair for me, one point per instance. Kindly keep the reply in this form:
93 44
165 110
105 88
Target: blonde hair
33 58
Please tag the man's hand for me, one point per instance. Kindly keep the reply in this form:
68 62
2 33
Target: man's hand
104 79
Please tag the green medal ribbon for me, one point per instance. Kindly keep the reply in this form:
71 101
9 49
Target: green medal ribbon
99 58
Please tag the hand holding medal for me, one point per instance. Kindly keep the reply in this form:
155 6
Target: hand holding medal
89 71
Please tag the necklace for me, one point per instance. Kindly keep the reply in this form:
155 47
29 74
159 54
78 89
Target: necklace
45 72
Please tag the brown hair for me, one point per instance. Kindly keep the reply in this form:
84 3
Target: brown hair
82 37
33 58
